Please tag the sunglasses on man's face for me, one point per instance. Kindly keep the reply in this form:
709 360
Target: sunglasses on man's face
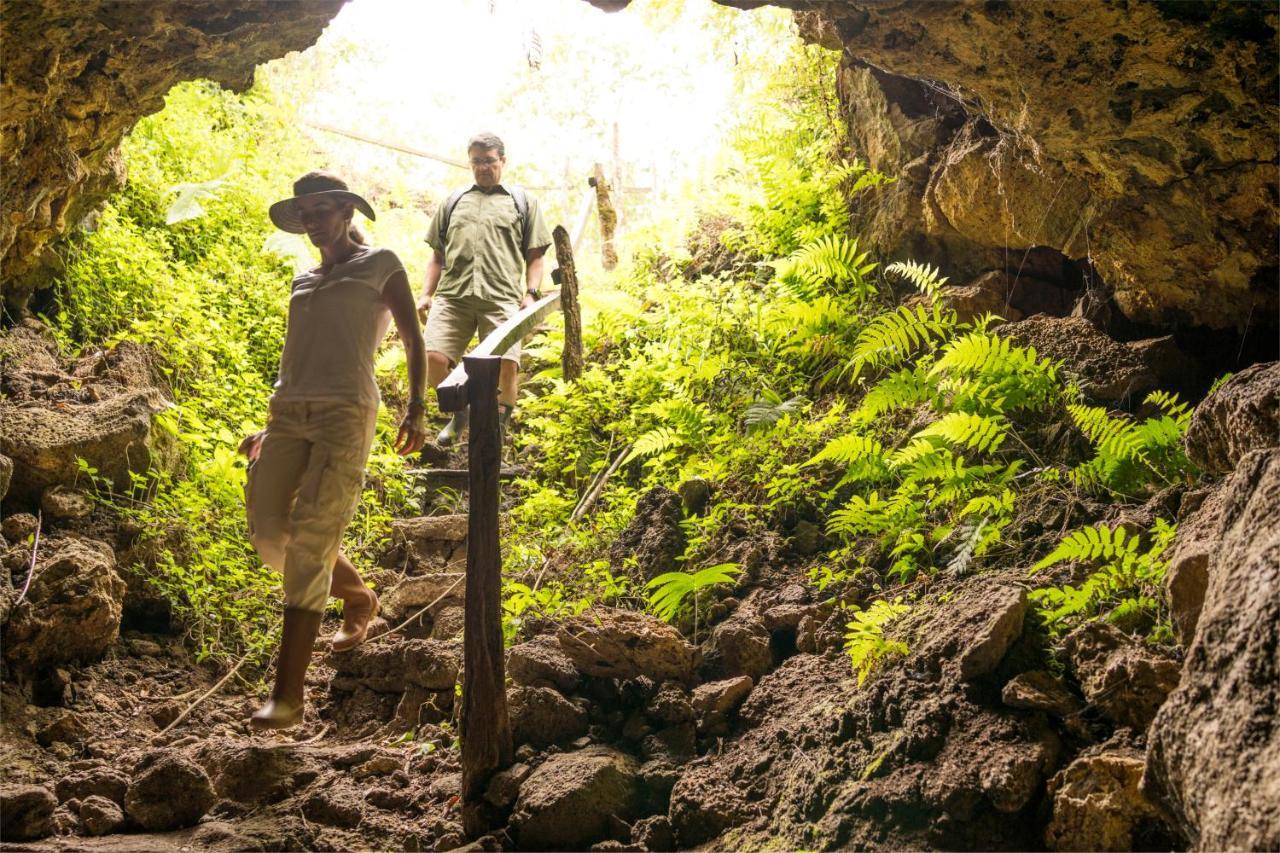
485 161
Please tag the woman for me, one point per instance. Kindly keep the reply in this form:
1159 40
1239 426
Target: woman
307 467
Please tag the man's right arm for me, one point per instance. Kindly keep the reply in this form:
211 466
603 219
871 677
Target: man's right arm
435 267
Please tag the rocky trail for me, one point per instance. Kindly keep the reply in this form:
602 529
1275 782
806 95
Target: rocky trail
628 735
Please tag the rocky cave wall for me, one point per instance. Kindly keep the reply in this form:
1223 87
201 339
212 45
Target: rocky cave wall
78 74
1139 135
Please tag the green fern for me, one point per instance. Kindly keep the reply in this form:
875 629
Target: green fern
893 337
864 639
669 591
927 279
1129 455
831 262
769 409
901 390
1125 587
987 373
862 457
961 429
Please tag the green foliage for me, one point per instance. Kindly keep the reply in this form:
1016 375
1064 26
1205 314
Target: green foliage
1130 455
668 592
1125 586
865 642
893 337
831 262
926 278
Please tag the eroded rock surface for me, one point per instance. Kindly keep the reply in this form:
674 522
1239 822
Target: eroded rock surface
1240 416
168 791
613 643
570 800
87 71
1214 749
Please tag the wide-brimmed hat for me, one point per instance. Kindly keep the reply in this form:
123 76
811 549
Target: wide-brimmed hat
284 213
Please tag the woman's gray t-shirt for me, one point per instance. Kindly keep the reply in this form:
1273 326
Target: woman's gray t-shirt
336 321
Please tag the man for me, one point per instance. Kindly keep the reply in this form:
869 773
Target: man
488 240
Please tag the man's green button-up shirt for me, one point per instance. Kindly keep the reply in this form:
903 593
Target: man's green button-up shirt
482 249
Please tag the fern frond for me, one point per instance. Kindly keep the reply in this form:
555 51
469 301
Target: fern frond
966 430
892 337
927 279
652 442
899 390
1089 543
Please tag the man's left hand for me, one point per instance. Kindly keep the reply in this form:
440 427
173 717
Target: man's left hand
528 300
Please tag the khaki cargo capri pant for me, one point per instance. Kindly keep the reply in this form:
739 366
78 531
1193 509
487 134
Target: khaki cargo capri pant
303 490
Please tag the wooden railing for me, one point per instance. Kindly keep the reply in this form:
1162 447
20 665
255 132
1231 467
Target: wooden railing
485 728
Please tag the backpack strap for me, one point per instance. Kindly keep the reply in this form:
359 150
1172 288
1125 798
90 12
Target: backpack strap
518 196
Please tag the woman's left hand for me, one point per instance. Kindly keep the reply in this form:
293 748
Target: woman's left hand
413 430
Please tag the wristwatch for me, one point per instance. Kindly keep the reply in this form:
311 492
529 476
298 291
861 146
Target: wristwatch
536 294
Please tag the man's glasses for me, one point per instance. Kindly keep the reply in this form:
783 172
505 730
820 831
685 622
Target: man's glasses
487 161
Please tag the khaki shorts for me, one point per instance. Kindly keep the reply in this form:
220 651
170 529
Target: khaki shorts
454 320
303 490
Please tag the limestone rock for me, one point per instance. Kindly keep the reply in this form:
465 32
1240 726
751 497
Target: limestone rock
100 816
1097 805
570 800
1186 576
168 791
1107 370
1123 678
391 667
1213 754
541 716
67 727
333 807
613 643
448 623
116 436
72 609
255 775
28 812
19 526
541 663
654 537
414 593
1241 416
62 503
504 787
738 646
428 544
89 72
670 705
1039 691
980 625
653 833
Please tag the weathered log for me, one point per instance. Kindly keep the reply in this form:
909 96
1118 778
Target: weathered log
608 218
571 356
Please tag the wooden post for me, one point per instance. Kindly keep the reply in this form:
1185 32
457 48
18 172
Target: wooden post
571 357
608 218
619 196
485 727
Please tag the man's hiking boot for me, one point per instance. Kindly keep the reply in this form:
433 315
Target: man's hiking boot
452 431
288 697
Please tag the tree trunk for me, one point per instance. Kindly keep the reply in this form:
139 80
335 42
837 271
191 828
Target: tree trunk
608 219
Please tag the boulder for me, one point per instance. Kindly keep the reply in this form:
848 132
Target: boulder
101 781
256 775
168 791
333 807
393 667
654 538
414 593
704 806
1106 369
714 702
674 745
27 812
1241 416
972 635
541 716
1186 575
6 474
1213 752
1122 677
612 643
448 623
670 705
72 609
429 543
990 292
1040 691
17 527
738 646
66 727
115 436
504 786
571 800
1097 805
542 663
61 503
100 816
653 833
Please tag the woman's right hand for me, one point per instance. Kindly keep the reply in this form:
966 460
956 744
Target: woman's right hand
252 445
